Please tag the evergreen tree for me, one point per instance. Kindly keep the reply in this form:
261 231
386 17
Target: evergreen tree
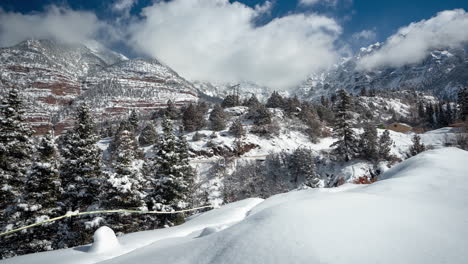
230 101
171 184
385 145
237 129
292 106
80 174
218 118
124 187
275 101
368 143
463 104
302 168
193 118
148 135
133 120
346 146
252 101
39 203
15 151
260 115
417 146
430 115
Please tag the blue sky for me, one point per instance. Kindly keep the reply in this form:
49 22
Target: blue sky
275 43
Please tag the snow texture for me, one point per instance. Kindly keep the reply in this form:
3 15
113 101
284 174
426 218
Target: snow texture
417 213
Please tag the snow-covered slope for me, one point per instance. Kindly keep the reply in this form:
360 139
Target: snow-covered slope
246 89
442 72
417 213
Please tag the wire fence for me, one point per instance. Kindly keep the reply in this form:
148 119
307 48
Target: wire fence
101 212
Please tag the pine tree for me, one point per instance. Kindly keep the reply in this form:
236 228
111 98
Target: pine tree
417 146
218 118
80 174
133 120
15 151
260 115
230 101
148 135
124 187
193 118
385 145
463 104
39 203
346 146
237 129
252 101
302 168
171 185
275 101
368 143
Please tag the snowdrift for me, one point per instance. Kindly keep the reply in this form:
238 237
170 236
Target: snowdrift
417 213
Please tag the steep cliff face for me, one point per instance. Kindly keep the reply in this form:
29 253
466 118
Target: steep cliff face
55 76
442 73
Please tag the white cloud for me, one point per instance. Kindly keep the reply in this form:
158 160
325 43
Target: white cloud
314 2
123 8
217 40
411 44
57 23
365 35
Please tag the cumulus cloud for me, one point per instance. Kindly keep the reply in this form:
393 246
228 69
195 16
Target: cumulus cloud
216 40
59 23
411 44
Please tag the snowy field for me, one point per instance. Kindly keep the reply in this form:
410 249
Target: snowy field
417 213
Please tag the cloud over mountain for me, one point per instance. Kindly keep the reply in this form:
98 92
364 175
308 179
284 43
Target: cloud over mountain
216 40
411 44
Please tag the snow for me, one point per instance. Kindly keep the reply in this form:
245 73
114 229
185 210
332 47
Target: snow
416 213
104 240
219 219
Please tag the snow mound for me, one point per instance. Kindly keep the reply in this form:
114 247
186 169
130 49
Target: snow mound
104 240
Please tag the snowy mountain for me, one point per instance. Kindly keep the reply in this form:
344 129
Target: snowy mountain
55 75
442 73
218 91
413 215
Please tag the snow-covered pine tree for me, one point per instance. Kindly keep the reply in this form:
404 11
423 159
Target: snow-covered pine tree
81 174
230 101
275 100
193 118
252 101
217 118
237 129
302 167
148 135
417 146
15 151
368 143
346 146
133 120
124 187
39 203
385 145
171 181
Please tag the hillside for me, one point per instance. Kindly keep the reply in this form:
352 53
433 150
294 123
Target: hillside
54 77
417 213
